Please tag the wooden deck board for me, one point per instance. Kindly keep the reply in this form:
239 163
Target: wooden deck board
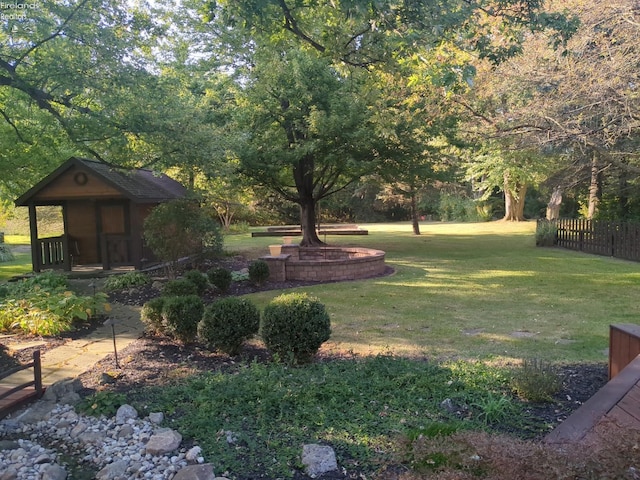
622 418
630 404
597 408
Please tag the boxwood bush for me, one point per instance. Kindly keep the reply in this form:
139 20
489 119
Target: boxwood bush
179 288
151 315
294 326
199 279
181 315
220 278
258 272
229 322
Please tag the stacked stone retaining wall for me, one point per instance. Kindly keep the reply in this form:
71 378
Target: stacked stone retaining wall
323 264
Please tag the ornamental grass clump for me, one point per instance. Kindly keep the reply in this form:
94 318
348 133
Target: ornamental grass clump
181 315
294 326
5 253
535 381
226 324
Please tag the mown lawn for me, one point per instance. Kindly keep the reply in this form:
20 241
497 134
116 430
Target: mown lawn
21 263
478 291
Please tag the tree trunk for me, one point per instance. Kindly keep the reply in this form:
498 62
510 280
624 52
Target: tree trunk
553 207
514 195
308 224
594 186
414 215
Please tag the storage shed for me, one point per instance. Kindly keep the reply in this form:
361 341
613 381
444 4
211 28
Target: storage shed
103 210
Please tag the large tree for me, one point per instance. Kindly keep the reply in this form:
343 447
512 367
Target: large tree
319 55
580 103
303 130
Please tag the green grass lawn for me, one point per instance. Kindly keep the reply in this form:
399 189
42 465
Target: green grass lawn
460 293
479 291
20 264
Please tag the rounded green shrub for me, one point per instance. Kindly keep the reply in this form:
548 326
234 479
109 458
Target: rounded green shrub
181 316
229 322
294 326
179 288
258 272
221 278
151 314
199 279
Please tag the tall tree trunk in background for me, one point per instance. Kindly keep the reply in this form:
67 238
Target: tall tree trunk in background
514 195
303 176
595 190
414 215
308 224
553 207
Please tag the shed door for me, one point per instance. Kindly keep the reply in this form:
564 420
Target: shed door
113 233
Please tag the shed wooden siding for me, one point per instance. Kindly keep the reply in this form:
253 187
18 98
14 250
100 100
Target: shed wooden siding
66 186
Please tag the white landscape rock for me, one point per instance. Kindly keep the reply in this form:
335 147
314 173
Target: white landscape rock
196 472
102 446
164 441
125 413
318 459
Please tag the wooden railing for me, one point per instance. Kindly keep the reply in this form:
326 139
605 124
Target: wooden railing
53 253
6 404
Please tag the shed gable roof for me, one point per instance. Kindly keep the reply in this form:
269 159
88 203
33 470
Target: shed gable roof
138 185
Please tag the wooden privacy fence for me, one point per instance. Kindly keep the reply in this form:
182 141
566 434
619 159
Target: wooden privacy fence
600 237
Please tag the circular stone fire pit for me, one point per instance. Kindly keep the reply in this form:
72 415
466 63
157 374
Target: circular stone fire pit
323 264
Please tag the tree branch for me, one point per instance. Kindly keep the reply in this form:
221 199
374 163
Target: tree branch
15 128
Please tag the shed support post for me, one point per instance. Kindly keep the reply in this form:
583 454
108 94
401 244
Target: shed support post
33 229
135 235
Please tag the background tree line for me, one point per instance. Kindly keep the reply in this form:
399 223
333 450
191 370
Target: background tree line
350 110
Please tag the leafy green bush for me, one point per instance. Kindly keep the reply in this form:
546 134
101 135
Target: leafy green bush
5 253
536 381
462 209
240 276
181 316
294 326
181 228
126 280
199 279
179 288
229 322
151 314
221 278
42 305
258 272
102 403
